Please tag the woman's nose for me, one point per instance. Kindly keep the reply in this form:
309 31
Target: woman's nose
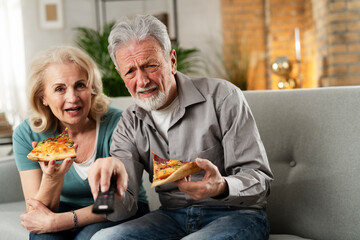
71 95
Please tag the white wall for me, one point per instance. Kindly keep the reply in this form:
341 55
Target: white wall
199 22
200 26
76 13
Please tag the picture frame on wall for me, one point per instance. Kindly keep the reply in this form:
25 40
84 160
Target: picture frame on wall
51 14
112 10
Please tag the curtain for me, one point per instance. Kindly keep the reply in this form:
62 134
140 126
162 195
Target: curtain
13 98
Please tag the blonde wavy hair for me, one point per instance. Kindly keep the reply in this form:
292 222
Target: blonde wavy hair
42 119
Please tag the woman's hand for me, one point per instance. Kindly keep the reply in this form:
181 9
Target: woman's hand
52 180
54 171
40 219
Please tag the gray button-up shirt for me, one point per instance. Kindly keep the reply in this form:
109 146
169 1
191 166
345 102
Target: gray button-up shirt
213 121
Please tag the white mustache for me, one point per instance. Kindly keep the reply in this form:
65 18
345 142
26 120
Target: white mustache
145 89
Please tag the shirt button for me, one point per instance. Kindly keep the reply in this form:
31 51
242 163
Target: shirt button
292 164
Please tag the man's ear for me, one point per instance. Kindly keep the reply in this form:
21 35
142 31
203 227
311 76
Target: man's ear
173 61
117 70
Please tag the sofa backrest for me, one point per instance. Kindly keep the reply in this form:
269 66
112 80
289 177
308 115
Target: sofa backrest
312 139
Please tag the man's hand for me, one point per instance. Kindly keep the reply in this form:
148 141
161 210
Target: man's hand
212 185
39 219
101 172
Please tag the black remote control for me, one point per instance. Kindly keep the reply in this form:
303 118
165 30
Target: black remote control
104 203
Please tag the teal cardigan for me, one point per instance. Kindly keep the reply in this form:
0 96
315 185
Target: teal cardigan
75 190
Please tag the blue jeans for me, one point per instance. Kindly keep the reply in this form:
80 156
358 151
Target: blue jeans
86 232
195 222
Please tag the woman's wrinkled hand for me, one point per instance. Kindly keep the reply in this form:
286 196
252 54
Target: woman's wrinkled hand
54 171
40 219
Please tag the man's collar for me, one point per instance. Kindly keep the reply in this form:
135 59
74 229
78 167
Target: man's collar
187 92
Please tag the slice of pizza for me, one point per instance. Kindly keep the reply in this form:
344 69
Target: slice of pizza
55 148
168 170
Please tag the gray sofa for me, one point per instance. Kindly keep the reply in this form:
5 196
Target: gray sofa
312 137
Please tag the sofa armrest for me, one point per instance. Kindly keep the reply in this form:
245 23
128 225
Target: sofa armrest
10 187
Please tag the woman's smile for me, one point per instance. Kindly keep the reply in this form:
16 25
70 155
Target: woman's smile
73 111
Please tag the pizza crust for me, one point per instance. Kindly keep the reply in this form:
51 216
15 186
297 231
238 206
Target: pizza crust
57 157
180 173
56 148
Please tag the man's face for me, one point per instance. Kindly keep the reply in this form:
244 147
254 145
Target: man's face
147 74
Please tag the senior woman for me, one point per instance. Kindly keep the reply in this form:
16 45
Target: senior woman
65 92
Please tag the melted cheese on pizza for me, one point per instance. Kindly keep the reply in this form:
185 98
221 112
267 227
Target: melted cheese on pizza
57 148
163 169
50 148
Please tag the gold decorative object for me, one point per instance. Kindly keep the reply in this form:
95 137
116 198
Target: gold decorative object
282 67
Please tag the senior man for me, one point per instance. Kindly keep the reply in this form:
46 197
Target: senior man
190 119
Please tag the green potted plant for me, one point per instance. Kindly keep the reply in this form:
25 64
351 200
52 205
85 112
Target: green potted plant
189 60
95 44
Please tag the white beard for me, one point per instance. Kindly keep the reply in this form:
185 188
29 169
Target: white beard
153 102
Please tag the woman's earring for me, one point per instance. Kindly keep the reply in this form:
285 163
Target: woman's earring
44 103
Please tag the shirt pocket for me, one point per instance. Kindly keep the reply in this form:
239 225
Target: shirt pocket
214 154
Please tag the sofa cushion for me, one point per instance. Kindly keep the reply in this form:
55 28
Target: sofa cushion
10 226
285 237
312 139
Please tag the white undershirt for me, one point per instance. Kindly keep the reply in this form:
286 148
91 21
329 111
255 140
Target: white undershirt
162 118
82 168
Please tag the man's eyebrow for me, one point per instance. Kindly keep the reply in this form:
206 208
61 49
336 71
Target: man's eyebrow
128 67
147 61
141 64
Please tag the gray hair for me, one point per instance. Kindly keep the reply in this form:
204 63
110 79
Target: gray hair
139 28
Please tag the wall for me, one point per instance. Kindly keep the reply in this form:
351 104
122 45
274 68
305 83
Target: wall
244 31
329 32
197 26
329 35
200 26
340 35
76 13
268 29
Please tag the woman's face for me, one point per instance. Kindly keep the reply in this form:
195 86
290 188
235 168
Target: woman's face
67 93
